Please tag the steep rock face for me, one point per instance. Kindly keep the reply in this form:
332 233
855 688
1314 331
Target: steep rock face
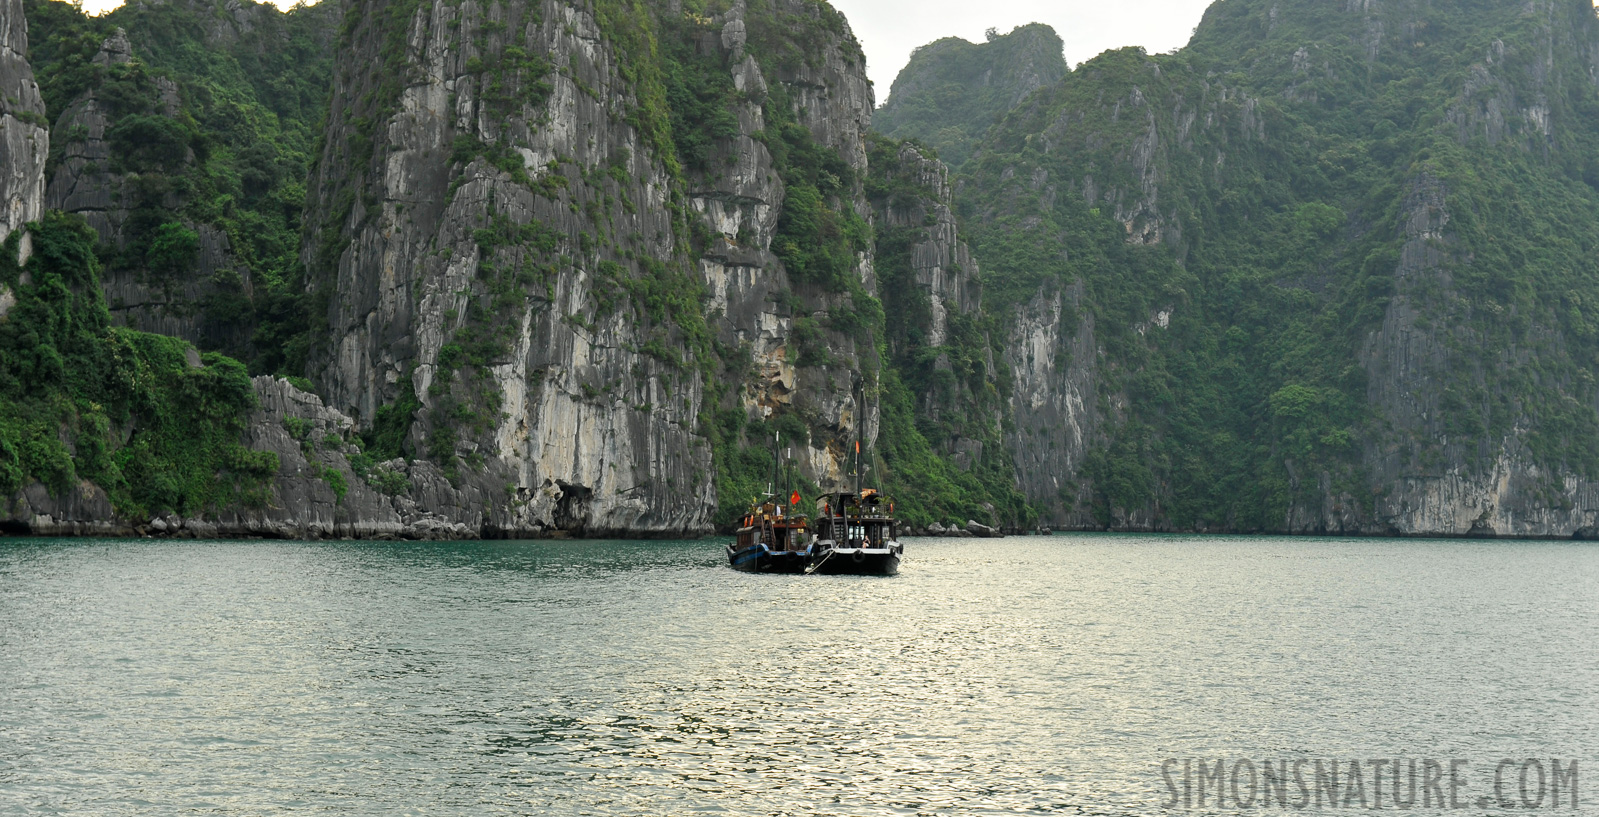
1089 181
937 281
1470 444
417 228
740 194
511 252
1055 403
183 140
946 386
24 142
940 262
544 308
1308 316
1493 484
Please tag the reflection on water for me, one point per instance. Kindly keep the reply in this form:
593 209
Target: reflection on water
1023 675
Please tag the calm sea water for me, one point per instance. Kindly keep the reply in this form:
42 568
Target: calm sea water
1028 675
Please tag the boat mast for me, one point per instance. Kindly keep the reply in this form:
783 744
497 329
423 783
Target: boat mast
860 422
771 490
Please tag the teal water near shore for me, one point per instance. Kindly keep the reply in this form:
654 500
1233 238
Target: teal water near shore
1024 675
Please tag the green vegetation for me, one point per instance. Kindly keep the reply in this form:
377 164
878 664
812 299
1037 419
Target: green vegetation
935 398
1287 164
685 110
818 233
228 150
699 92
744 464
953 91
787 37
128 411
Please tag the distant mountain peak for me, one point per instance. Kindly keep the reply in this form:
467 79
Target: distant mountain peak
953 90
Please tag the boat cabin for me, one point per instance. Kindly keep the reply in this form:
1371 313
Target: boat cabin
851 520
768 524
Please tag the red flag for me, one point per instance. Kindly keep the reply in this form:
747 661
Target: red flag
794 499
857 446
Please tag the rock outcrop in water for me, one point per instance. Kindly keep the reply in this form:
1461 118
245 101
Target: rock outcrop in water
314 446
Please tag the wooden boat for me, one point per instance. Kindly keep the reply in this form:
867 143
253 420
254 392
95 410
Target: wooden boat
856 534
771 539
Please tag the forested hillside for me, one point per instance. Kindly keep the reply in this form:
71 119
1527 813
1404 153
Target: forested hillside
1331 267
953 91
552 268
182 132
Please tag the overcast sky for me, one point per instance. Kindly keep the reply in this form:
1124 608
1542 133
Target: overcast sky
890 29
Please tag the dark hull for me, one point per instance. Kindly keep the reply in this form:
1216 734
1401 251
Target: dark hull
857 563
758 559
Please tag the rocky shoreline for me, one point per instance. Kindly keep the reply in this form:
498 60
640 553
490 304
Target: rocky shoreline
318 493
324 489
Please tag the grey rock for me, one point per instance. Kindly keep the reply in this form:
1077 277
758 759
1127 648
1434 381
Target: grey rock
572 442
1054 404
84 510
976 528
116 50
594 435
24 142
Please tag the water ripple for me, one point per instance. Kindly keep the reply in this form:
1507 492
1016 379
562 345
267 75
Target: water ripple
1024 676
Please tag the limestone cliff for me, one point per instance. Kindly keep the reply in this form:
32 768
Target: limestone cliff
580 263
947 384
519 256
1236 299
800 344
577 267
24 142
